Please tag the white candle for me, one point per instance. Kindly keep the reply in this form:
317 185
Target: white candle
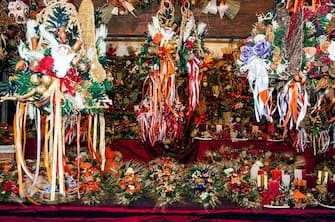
286 179
325 178
298 174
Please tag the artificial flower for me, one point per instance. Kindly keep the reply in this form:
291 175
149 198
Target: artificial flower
262 49
46 65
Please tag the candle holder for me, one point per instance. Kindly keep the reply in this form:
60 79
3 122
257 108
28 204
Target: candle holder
300 185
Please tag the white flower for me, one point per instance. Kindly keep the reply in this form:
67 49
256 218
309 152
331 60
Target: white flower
131 187
320 39
310 25
281 68
130 171
62 59
78 101
203 195
259 37
331 51
329 16
275 25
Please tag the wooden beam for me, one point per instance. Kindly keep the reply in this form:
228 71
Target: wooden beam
240 27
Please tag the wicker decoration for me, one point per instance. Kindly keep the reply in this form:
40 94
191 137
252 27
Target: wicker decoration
86 18
294 44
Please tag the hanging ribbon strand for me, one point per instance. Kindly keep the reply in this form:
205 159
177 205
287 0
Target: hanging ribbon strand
292 103
161 112
159 108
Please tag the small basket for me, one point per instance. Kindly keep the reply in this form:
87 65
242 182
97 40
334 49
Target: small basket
7 153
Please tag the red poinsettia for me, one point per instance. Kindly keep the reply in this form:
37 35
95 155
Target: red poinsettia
46 65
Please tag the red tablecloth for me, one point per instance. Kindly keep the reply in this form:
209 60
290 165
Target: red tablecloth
137 150
135 213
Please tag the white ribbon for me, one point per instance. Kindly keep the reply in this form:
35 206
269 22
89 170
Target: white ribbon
283 102
284 99
38 129
194 88
258 81
303 104
324 141
302 139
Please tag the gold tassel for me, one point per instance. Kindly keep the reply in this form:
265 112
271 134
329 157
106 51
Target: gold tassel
233 9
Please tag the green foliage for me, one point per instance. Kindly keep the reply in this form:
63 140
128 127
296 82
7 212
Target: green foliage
96 90
67 107
22 84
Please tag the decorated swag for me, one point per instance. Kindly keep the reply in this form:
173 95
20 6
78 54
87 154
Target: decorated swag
290 67
169 52
59 76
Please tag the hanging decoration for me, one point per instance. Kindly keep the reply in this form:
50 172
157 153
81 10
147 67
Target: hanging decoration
160 114
162 59
318 66
121 7
59 75
260 55
18 11
228 8
225 8
191 53
300 65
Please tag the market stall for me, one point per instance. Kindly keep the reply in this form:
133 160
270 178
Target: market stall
165 109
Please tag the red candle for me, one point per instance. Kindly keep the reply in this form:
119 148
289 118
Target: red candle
276 174
274 187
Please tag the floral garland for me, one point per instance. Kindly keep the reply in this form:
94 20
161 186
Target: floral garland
9 191
91 192
169 182
165 181
203 185
129 186
6 134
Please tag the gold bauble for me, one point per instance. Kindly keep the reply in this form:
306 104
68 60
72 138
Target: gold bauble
41 89
35 79
246 162
76 46
46 80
